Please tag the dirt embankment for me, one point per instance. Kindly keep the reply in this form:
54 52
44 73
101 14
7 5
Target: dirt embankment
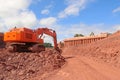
28 66
93 61
106 50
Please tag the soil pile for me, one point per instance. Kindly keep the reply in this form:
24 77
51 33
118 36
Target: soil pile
106 50
27 66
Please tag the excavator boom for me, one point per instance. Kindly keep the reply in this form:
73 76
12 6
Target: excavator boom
49 32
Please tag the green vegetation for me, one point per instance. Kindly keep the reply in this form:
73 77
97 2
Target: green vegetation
49 45
92 34
78 35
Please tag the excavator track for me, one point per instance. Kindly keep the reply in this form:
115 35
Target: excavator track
16 47
19 47
11 48
37 48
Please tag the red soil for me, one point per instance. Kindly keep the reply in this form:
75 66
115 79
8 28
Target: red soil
96 61
27 66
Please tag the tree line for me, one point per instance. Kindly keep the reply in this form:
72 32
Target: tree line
81 35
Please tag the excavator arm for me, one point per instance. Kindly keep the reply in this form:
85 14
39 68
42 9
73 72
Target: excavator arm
50 32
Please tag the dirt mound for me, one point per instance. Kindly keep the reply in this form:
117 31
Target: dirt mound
27 66
106 50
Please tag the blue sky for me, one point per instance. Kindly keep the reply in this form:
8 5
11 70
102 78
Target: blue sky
67 17
97 11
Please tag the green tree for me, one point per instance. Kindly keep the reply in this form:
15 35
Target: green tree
78 35
48 45
92 34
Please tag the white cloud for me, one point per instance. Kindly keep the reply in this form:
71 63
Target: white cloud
24 19
116 27
16 13
45 11
116 10
73 8
47 8
86 29
68 31
48 39
50 5
50 21
8 7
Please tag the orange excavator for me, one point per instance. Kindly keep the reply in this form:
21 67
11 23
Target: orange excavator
24 39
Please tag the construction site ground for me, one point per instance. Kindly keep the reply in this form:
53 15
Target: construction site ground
95 61
27 65
83 68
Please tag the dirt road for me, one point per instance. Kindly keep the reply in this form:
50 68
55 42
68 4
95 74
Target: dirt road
82 68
